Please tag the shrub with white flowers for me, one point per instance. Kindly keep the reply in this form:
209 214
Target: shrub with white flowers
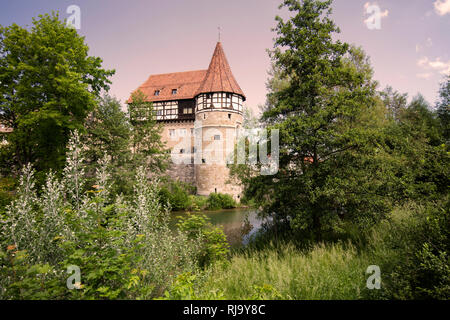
124 249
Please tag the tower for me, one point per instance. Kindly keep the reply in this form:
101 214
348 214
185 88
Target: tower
218 116
200 112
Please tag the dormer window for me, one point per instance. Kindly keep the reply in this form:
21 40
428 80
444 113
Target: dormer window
156 92
174 91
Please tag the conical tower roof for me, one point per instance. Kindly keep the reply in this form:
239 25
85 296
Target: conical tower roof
219 77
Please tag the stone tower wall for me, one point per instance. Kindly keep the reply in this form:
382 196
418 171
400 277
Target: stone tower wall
213 175
181 171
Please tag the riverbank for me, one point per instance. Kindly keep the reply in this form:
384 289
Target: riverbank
238 223
378 263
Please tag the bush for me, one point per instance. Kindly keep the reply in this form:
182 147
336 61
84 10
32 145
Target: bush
413 250
124 249
177 195
218 201
187 287
213 242
197 203
7 186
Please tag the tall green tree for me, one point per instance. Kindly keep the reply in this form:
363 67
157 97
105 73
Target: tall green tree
419 115
443 108
415 140
48 85
394 101
148 148
328 115
108 132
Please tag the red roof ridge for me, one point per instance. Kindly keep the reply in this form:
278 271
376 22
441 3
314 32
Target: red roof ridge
167 73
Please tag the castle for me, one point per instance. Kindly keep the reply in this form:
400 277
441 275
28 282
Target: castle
201 113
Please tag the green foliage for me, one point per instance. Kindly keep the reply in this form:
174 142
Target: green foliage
327 112
213 242
49 84
176 194
218 201
131 141
394 101
412 249
25 281
443 108
422 120
108 131
7 186
186 287
197 203
265 292
247 201
147 145
123 249
414 149
323 272
182 289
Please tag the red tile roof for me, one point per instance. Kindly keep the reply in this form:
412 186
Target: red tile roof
186 84
217 78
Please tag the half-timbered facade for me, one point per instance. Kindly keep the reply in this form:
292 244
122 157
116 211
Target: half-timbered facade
213 100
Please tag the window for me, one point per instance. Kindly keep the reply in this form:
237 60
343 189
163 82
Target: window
172 132
228 95
181 150
174 91
192 131
171 109
193 150
182 132
217 137
229 116
203 161
187 110
156 92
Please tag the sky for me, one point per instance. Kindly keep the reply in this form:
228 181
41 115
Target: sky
407 40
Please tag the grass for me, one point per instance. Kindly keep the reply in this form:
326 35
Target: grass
336 269
326 271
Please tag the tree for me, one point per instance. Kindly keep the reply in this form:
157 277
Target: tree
275 83
443 108
328 115
48 85
394 101
416 141
147 145
109 132
423 120
250 120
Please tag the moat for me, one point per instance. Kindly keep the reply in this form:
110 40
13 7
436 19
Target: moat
233 222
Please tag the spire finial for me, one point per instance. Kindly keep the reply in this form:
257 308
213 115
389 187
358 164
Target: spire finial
218 28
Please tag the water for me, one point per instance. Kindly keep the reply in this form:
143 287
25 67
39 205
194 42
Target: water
233 222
